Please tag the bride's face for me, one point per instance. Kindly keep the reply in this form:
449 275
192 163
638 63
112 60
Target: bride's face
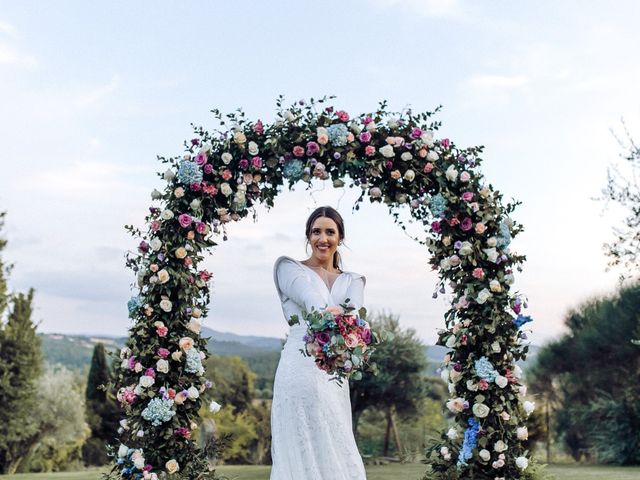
323 238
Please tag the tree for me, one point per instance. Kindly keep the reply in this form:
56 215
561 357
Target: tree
623 188
102 410
20 368
233 381
399 387
590 377
60 424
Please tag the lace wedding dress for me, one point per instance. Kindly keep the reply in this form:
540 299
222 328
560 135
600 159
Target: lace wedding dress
312 436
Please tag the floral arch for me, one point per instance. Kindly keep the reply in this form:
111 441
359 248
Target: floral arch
393 157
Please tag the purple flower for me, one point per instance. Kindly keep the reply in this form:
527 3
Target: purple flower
416 133
243 163
337 155
365 137
466 224
366 336
436 226
132 362
208 168
150 372
312 148
323 338
457 245
195 141
143 247
201 158
185 220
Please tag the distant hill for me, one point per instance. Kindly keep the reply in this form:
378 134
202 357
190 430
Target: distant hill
260 353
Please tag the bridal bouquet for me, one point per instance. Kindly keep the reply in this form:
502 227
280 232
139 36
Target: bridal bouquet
340 340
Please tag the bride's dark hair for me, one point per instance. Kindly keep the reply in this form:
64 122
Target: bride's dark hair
333 214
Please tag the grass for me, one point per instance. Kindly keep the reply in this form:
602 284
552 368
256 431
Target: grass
378 472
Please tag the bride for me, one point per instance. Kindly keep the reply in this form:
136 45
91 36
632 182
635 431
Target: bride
312 437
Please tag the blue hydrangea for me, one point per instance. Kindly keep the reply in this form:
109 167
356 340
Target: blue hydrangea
194 362
189 172
437 205
293 169
133 305
521 320
504 236
158 411
470 442
338 134
484 369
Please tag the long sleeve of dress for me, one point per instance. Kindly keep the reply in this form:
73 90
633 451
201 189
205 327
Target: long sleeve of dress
294 283
355 293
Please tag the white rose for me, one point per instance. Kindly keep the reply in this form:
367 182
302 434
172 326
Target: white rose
194 325
171 466
494 286
226 189
162 366
206 147
485 454
465 249
529 407
455 375
452 434
289 116
409 175
125 352
480 410
452 388
370 127
123 450
432 156
427 137
483 296
138 390
444 374
193 393
451 174
451 341
387 151
169 175
509 279
522 433
253 148
179 192
444 264
195 204
406 156
166 215
166 305
226 158
522 390
146 381
501 381
156 195
491 253
392 123
139 463
522 463
472 386
500 446
214 407
155 244
137 367
492 241
495 347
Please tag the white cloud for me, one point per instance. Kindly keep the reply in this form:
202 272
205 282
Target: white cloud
96 94
497 81
11 56
425 8
8 29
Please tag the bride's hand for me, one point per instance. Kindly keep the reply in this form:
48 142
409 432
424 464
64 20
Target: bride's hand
335 310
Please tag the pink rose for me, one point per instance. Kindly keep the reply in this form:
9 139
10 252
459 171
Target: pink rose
298 151
351 340
445 142
416 133
465 177
256 162
365 137
185 220
478 273
162 331
467 196
195 187
350 137
312 148
226 174
259 127
370 150
150 372
342 116
208 169
428 167
367 120
466 224
201 228
163 352
480 228
155 225
201 158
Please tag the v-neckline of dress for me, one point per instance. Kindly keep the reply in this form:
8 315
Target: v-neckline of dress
330 290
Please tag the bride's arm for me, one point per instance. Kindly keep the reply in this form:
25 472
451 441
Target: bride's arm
294 283
355 292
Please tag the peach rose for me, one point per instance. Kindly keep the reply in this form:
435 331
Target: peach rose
186 343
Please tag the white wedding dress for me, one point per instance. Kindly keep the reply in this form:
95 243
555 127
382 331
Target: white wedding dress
312 436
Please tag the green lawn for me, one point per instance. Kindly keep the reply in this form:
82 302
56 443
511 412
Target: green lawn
385 472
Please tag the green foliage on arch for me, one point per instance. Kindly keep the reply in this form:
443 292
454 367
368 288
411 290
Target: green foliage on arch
394 157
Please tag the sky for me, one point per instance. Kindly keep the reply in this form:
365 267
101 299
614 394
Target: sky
92 92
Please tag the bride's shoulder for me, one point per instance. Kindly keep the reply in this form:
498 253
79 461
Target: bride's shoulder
355 276
285 259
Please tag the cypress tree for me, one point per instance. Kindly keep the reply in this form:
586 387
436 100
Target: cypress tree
102 410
